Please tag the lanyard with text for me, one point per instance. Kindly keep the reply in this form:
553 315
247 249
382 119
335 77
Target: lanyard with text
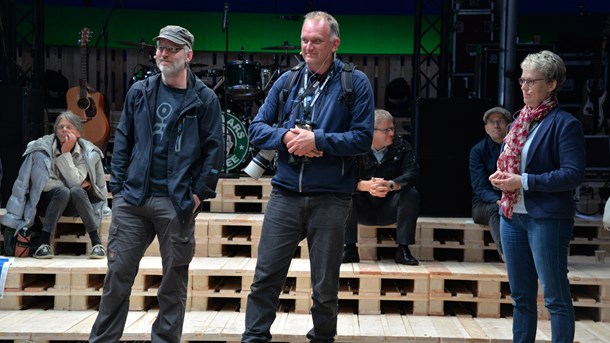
309 99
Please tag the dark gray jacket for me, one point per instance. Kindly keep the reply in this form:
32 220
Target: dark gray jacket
195 147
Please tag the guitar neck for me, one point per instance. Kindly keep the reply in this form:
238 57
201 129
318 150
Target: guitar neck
82 81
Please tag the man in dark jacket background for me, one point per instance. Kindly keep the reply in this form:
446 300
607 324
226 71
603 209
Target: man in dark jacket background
385 191
168 151
483 158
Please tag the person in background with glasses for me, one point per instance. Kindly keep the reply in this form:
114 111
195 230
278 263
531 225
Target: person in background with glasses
168 151
385 191
62 174
482 163
541 165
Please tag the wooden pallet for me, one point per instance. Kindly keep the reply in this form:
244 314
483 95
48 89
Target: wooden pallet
436 239
227 326
369 287
242 194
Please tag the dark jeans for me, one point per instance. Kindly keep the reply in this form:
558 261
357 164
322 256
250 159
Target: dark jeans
489 214
66 201
400 207
289 218
132 230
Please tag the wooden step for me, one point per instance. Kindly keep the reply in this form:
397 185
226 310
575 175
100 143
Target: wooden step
228 326
436 239
369 287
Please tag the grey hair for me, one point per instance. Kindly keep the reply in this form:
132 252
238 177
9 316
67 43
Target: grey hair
333 25
381 114
72 118
549 64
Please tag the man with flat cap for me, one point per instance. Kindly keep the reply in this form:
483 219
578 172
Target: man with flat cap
168 151
483 157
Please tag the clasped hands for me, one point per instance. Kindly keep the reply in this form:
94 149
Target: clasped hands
376 186
301 142
506 182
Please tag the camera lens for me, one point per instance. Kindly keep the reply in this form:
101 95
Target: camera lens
259 163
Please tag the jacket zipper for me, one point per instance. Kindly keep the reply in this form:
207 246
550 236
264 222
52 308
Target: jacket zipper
178 145
301 178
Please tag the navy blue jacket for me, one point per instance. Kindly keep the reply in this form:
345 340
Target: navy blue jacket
341 135
482 163
195 146
555 166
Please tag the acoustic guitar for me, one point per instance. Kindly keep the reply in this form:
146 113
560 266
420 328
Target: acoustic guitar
88 103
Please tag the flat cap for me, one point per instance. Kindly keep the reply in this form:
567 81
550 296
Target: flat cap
504 112
177 34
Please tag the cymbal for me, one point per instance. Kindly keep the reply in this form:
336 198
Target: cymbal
140 45
284 46
197 65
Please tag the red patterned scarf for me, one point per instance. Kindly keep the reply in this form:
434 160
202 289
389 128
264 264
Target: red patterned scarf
510 159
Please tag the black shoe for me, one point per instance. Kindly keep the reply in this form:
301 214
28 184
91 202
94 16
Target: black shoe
350 254
44 252
403 256
97 252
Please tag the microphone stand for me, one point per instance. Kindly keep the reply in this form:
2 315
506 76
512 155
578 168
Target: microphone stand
104 33
225 28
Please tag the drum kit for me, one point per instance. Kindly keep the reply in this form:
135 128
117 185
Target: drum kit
244 83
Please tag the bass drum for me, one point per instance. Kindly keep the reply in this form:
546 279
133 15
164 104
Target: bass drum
243 80
237 147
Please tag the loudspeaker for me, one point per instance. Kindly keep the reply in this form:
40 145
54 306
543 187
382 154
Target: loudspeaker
21 122
469 31
445 131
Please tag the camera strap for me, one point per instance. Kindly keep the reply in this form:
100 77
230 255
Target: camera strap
309 101
348 96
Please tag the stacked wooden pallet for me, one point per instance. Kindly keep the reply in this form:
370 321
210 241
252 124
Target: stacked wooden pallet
472 289
460 290
244 195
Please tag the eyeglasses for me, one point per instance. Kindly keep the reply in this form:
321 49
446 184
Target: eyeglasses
170 49
528 82
497 122
67 127
386 130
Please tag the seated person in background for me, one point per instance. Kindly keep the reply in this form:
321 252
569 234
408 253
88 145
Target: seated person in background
62 174
385 193
483 157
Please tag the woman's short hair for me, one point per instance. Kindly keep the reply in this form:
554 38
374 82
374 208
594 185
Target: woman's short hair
549 64
72 118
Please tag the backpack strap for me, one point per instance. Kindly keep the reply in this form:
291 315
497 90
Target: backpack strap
348 85
283 96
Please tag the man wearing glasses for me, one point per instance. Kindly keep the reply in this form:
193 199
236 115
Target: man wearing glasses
168 151
385 193
483 157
